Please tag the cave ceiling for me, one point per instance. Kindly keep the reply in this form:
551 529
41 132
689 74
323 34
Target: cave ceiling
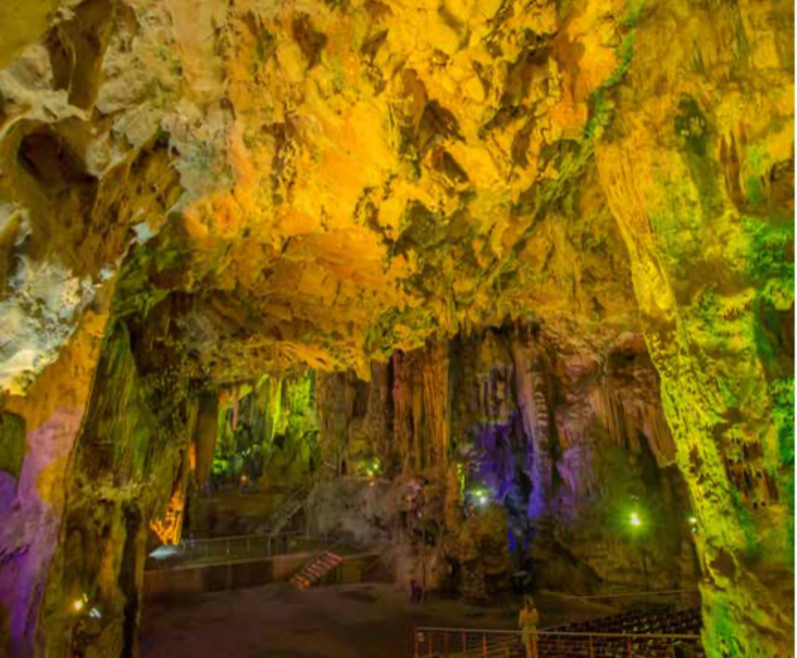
308 183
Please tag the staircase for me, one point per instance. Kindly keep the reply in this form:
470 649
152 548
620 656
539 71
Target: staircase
316 569
289 508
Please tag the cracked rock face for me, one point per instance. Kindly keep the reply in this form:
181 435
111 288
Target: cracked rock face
197 192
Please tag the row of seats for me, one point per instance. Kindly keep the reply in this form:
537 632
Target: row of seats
658 621
661 621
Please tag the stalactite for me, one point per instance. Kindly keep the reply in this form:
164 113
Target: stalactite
533 405
379 403
235 408
333 422
205 438
274 402
539 425
436 404
402 406
629 421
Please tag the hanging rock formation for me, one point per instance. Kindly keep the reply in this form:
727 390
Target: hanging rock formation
511 234
564 443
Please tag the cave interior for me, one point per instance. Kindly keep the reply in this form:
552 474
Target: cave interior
459 301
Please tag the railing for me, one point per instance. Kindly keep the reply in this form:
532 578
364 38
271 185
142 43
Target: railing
246 545
293 501
430 642
193 551
680 597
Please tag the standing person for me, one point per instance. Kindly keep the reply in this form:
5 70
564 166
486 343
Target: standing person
414 591
527 622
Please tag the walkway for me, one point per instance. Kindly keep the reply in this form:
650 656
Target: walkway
219 550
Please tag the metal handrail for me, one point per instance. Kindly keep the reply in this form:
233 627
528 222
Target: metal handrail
284 513
197 545
496 631
629 593
244 546
491 643
210 540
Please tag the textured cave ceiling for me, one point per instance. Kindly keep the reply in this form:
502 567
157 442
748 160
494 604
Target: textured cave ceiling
320 183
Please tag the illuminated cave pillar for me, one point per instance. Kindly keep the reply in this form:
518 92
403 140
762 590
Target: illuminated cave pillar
693 257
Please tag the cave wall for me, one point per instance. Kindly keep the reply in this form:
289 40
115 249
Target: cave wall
104 458
571 441
567 438
33 499
355 422
255 443
130 463
700 179
92 470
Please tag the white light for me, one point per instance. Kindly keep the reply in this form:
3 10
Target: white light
77 605
635 520
165 552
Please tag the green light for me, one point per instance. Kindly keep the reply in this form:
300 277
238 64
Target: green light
635 520
480 495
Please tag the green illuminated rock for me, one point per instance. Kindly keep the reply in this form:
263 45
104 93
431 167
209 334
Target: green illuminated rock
12 443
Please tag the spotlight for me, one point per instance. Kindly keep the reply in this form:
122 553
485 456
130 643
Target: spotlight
635 520
692 520
78 605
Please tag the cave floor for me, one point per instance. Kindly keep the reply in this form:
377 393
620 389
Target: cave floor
345 621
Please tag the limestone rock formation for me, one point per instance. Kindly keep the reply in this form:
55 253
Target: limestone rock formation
511 234
565 444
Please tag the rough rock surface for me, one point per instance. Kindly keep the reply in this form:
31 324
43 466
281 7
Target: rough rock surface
195 193
250 150
565 437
